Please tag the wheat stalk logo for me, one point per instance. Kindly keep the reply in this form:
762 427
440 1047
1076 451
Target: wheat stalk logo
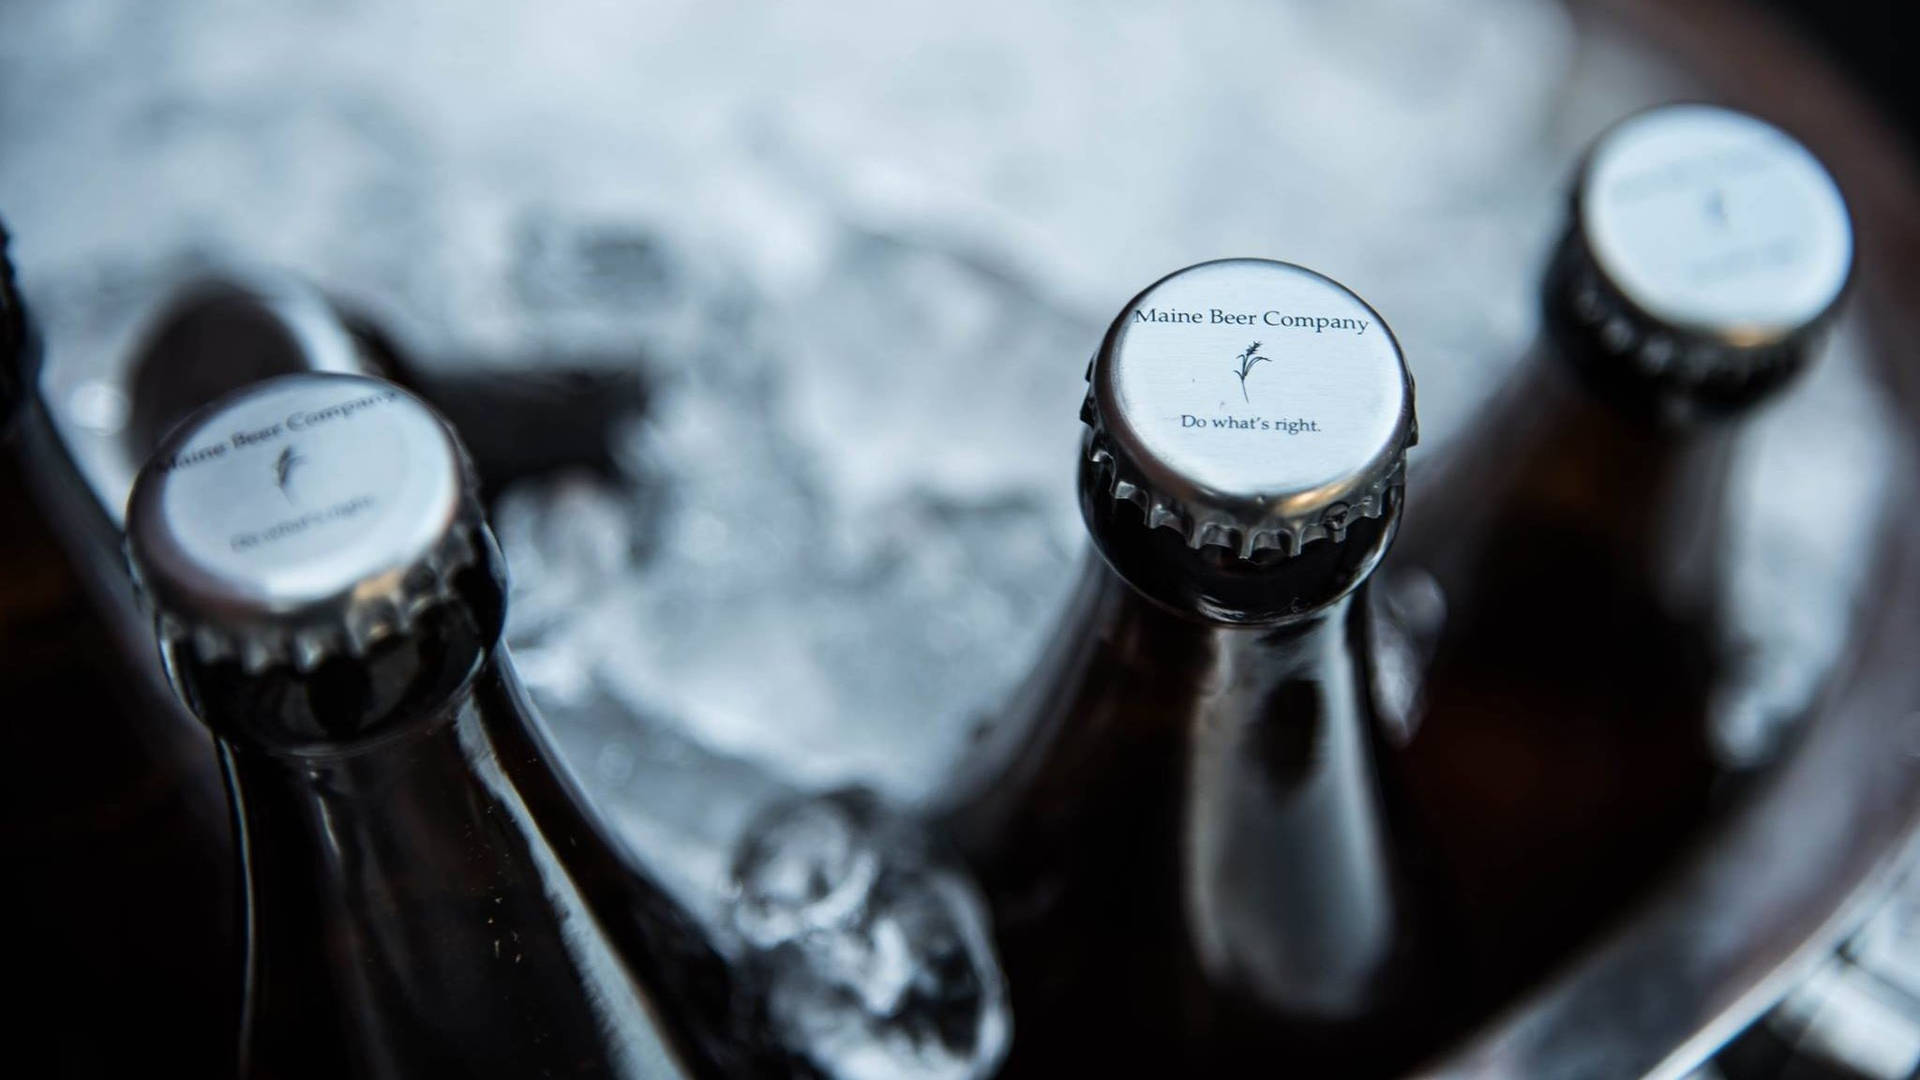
1247 360
283 469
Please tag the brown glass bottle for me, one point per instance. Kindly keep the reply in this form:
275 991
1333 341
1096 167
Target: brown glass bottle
1560 574
426 892
1179 822
113 823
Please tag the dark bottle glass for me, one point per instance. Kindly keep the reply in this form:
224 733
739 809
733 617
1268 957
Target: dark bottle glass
223 332
426 892
1179 823
13 336
111 812
1561 573
540 416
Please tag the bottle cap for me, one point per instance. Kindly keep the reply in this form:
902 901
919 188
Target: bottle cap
303 517
1706 251
1250 404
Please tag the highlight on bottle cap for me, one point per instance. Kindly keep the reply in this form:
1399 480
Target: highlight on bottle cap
301 517
1251 404
1707 230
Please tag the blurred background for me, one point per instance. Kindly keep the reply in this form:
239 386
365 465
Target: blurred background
843 268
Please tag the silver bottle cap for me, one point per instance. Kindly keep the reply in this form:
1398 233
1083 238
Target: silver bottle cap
1709 246
307 516
1250 404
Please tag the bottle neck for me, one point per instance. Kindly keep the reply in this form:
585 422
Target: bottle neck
1127 673
1222 778
438 901
1560 484
1290 886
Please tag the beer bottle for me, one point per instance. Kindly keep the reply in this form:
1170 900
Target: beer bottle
111 797
1180 822
425 891
1565 563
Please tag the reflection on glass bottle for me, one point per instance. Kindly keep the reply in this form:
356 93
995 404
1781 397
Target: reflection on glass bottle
425 891
1559 580
1180 822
